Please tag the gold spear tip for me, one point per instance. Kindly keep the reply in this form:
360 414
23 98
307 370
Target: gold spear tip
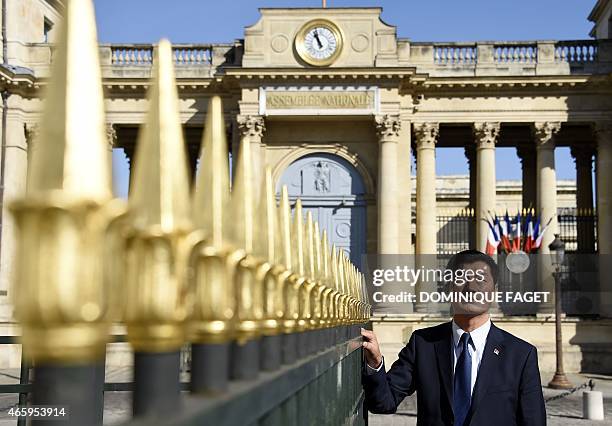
160 189
73 154
325 254
318 249
341 271
241 197
298 239
309 253
267 240
285 229
212 188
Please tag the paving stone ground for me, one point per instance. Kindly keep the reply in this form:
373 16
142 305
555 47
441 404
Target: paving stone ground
561 412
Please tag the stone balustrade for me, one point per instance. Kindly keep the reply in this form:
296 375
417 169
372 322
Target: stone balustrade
125 55
552 57
454 53
572 51
134 60
521 53
137 54
508 58
467 53
578 51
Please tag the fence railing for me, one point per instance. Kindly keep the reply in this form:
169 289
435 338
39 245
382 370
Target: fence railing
270 309
455 231
578 230
308 390
579 278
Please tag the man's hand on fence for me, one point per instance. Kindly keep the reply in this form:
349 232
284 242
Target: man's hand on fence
372 351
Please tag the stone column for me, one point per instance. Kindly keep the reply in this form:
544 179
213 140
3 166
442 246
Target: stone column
388 127
470 155
405 189
583 156
426 135
604 215
544 135
252 128
15 172
527 155
485 137
32 130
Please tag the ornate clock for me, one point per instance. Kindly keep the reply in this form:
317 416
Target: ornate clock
319 42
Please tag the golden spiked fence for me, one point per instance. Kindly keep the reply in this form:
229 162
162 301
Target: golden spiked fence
271 311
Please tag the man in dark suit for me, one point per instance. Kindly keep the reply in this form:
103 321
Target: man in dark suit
465 372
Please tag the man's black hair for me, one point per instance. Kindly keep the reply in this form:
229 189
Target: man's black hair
470 256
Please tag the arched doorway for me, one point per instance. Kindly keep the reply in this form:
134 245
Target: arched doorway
332 189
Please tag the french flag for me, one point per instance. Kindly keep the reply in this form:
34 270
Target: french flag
540 236
493 239
528 245
516 237
506 229
536 230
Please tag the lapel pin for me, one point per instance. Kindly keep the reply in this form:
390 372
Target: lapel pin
496 351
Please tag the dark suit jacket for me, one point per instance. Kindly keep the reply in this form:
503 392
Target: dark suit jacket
507 390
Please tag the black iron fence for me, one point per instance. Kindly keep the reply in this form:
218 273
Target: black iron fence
578 230
304 392
579 278
455 231
270 310
25 386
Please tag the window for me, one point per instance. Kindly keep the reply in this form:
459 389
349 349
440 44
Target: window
48 26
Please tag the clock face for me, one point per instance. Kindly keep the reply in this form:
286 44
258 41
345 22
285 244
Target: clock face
319 42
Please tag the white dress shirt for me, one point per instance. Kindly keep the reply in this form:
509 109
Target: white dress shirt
476 348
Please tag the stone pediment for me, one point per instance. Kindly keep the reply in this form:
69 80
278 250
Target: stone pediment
367 40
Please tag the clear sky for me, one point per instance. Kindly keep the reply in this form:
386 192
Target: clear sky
204 21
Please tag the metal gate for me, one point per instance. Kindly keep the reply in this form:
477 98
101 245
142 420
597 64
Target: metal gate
270 309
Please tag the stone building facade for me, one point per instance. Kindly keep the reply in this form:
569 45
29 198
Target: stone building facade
339 124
